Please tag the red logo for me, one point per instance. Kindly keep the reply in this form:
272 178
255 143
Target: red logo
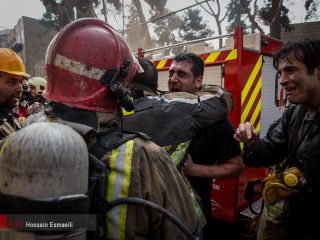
3 221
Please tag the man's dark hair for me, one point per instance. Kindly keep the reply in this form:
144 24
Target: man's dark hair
149 78
306 51
196 60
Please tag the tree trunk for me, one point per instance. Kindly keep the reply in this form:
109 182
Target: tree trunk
275 27
148 41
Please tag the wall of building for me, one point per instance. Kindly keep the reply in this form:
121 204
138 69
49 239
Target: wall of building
3 37
29 39
301 31
36 41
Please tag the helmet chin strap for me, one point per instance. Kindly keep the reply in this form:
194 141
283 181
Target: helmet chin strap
112 80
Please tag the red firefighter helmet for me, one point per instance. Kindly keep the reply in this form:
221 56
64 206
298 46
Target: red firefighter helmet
82 60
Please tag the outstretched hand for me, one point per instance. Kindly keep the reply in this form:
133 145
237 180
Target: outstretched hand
246 133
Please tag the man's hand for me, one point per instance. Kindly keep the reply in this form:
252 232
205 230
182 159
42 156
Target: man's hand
246 133
188 166
36 107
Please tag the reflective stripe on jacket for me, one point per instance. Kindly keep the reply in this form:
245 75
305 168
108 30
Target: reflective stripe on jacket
139 168
118 187
178 152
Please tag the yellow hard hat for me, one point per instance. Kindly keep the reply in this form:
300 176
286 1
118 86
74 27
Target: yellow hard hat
11 63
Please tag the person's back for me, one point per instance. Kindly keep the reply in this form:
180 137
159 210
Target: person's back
179 115
150 168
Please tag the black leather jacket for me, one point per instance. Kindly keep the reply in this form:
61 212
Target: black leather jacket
8 123
282 137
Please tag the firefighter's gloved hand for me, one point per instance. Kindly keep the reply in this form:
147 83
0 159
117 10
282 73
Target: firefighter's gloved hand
279 186
274 192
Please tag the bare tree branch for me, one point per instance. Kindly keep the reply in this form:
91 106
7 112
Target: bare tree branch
250 16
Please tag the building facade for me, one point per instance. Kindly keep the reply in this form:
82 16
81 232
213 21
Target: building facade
29 39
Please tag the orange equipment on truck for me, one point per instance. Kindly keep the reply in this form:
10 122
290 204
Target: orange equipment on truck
245 69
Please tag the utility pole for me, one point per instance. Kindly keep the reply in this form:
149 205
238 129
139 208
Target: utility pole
104 11
122 16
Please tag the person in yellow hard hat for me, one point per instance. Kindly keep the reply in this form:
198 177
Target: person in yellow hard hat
12 71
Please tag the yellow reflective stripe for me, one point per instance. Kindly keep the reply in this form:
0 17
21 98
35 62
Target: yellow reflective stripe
232 55
196 204
258 127
111 180
161 64
251 78
118 187
253 97
212 57
180 152
124 112
167 148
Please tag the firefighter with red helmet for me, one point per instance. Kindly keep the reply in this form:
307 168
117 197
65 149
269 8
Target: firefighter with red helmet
88 66
12 71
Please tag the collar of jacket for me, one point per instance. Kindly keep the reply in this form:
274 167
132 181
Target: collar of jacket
75 115
139 91
85 122
4 114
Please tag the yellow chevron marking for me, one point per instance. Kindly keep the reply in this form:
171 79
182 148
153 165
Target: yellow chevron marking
212 57
258 127
253 96
249 83
256 112
161 64
232 55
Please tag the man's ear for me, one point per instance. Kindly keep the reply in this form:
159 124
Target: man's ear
198 81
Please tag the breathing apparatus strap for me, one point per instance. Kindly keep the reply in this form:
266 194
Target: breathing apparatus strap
112 80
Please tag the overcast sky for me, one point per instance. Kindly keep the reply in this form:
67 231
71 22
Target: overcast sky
12 10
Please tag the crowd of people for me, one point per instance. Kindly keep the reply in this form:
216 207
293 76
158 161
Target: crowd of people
99 132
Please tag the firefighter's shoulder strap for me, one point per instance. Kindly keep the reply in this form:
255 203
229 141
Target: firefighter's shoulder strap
107 141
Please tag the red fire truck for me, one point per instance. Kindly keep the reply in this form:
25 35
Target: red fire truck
245 69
